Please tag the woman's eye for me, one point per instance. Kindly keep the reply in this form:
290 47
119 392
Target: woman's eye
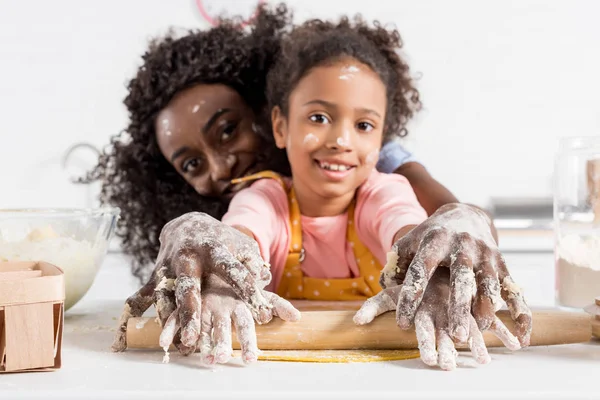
228 132
319 119
365 127
190 165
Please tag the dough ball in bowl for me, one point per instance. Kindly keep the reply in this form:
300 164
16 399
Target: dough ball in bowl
75 240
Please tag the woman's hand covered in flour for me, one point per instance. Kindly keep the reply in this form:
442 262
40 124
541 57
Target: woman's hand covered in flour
432 323
193 248
221 307
457 236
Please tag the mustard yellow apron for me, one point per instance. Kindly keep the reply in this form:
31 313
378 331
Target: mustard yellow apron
295 285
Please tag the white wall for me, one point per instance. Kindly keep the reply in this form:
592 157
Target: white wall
501 81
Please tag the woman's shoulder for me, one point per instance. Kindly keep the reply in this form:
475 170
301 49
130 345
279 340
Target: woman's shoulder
380 186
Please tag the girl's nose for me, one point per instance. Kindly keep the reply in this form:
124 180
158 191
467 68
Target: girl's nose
340 139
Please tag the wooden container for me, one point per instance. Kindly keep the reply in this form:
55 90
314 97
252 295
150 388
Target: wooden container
32 298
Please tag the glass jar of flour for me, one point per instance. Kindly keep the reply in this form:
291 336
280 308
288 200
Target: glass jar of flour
577 221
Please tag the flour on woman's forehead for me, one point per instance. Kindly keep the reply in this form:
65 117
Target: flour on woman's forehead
197 106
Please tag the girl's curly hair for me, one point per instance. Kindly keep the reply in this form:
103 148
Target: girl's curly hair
135 176
318 42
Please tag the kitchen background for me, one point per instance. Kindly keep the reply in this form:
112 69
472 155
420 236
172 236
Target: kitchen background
501 81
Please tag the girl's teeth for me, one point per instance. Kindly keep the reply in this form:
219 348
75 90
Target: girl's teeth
334 167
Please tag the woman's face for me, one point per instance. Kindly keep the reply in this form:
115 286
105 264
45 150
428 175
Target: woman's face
207 133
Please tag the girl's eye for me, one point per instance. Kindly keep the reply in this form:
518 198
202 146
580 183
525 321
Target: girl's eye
190 165
319 119
365 127
228 132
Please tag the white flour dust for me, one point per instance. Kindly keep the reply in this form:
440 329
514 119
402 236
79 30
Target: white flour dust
578 270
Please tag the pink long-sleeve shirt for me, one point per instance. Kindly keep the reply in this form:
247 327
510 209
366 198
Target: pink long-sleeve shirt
385 203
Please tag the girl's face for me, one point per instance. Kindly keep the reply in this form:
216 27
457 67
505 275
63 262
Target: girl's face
207 133
333 131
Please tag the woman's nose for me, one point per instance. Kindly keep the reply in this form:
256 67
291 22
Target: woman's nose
221 167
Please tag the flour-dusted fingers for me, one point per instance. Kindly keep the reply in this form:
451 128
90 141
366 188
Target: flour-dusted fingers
205 343
432 251
135 306
246 333
501 332
187 296
462 287
215 249
251 258
169 329
477 344
164 294
164 301
222 337
398 261
425 329
446 352
282 308
487 300
243 283
513 296
165 304
382 302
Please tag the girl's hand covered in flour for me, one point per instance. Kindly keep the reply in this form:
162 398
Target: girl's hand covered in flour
194 248
432 323
220 307
457 236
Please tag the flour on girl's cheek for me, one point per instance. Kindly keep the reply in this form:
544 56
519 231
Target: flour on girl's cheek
372 157
310 140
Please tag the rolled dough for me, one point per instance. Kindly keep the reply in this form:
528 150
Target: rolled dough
336 356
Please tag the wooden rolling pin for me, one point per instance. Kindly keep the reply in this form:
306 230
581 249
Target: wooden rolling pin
594 310
335 330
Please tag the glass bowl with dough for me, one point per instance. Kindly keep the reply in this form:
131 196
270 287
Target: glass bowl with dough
75 240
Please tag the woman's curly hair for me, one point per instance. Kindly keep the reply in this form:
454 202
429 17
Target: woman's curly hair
318 42
135 176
